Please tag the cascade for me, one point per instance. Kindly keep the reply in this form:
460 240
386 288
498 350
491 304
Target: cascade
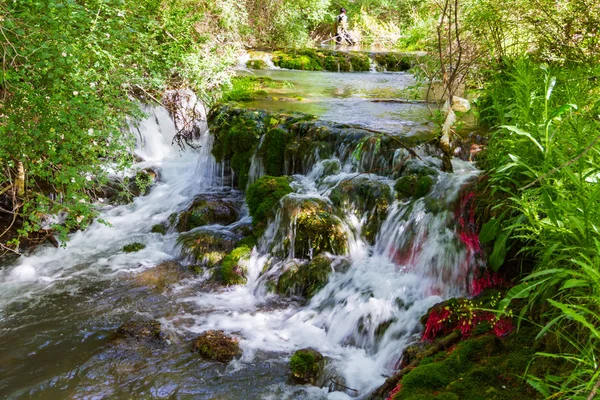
381 258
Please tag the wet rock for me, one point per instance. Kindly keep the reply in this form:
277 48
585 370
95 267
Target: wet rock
159 228
133 247
413 186
314 226
217 346
263 195
367 197
305 279
306 366
233 269
196 244
146 330
207 210
161 276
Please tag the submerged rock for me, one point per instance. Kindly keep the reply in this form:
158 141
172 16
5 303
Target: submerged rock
307 366
161 276
207 210
217 346
305 279
146 330
160 228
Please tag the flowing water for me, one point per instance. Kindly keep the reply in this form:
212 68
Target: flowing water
59 308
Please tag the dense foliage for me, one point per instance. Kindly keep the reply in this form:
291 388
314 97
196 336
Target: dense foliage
70 69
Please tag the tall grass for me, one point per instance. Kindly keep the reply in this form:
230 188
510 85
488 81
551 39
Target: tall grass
544 168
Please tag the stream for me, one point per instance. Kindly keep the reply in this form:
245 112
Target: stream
60 307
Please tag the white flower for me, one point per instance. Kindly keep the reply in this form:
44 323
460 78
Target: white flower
79 219
121 14
82 200
64 54
75 93
72 180
90 131
94 143
92 84
88 178
107 35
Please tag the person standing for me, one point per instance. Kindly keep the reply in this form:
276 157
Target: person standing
342 34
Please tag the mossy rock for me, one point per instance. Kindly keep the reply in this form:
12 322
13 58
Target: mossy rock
197 244
315 226
133 247
119 192
366 197
160 228
256 64
237 133
263 196
305 279
217 346
392 62
482 367
306 366
145 330
161 276
207 210
232 271
413 186
273 150
305 59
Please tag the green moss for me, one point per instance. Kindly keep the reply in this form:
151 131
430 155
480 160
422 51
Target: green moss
256 64
306 366
273 150
232 272
482 367
133 247
306 59
317 230
159 228
305 279
263 195
205 211
365 197
413 186
217 346
392 61
199 243
248 88
237 133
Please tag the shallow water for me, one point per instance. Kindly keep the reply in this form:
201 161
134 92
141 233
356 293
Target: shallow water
351 98
59 308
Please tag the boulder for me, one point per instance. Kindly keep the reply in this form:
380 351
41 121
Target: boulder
233 269
307 366
197 244
304 279
217 346
207 210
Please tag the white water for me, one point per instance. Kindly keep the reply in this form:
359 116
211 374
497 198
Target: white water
341 321
95 253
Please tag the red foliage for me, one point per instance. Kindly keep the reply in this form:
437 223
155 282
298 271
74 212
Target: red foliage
503 327
486 281
436 323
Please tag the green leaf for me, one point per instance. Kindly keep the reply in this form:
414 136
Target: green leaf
499 253
521 132
489 231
